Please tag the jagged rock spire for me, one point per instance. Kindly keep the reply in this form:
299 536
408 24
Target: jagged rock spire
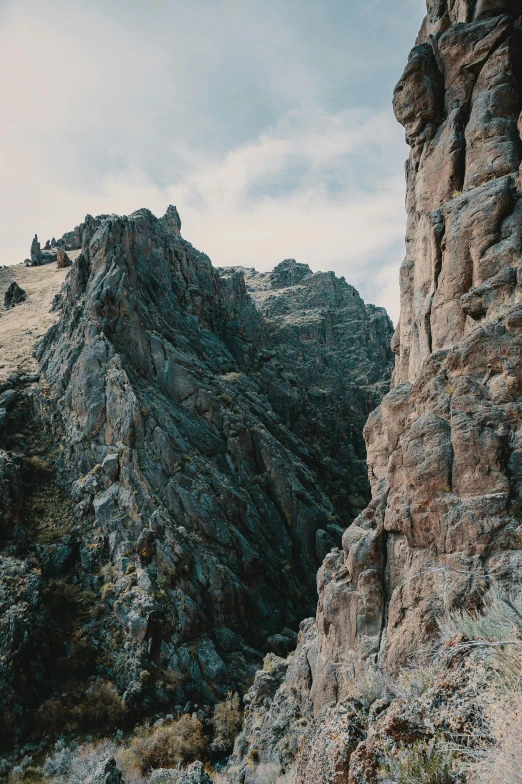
172 221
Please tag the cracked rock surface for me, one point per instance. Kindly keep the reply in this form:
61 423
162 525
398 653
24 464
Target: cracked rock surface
444 446
181 466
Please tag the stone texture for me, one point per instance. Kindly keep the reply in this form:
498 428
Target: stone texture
62 259
39 256
444 445
325 373
35 251
193 774
14 295
22 620
181 467
108 772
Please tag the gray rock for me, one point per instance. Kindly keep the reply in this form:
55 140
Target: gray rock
111 466
443 447
39 256
195 774
35 251
108 773
14 295
164 776
226 464
54 558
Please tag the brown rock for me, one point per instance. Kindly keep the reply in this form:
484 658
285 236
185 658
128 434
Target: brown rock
62 259
445 445
443 451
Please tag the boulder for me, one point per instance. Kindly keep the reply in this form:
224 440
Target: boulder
14 295
62 259
108 773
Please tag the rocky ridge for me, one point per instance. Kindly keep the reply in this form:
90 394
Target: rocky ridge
166 513
331 346
444 446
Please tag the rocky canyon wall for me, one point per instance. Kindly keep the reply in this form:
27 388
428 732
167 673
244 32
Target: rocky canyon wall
178 471
445 445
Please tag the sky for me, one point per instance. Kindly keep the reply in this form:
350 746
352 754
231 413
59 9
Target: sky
268 124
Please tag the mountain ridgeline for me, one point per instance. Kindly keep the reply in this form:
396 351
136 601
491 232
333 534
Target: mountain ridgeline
189 453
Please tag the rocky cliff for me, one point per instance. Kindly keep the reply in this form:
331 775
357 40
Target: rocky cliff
330 351
444 446
176 474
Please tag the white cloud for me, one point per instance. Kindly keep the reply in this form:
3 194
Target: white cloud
107 117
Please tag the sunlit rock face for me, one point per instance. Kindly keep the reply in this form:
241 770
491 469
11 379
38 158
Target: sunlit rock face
443 447
459 102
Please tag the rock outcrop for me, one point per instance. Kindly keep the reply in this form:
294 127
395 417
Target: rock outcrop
54 250
36 252
445 445
329 351
39 256
62 259
172 490
14 295
71 240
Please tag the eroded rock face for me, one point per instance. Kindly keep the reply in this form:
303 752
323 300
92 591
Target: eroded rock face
328 353
459 101
22 620
193 482
444 446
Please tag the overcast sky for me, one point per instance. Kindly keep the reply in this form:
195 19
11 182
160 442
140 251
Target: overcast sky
268 124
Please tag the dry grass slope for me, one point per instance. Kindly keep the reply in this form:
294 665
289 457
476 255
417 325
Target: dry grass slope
22 326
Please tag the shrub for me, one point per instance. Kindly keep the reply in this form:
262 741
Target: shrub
506 666
106 590
174 743
498 628
103 704
97 705
227 721
59 764
129 766
424 762
414 682
499 620
77 765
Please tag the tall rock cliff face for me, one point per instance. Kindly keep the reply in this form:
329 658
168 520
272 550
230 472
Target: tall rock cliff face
445 445
444 448
167 470
330 349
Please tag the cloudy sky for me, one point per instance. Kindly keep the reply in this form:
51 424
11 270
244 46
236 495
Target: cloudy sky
268 124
